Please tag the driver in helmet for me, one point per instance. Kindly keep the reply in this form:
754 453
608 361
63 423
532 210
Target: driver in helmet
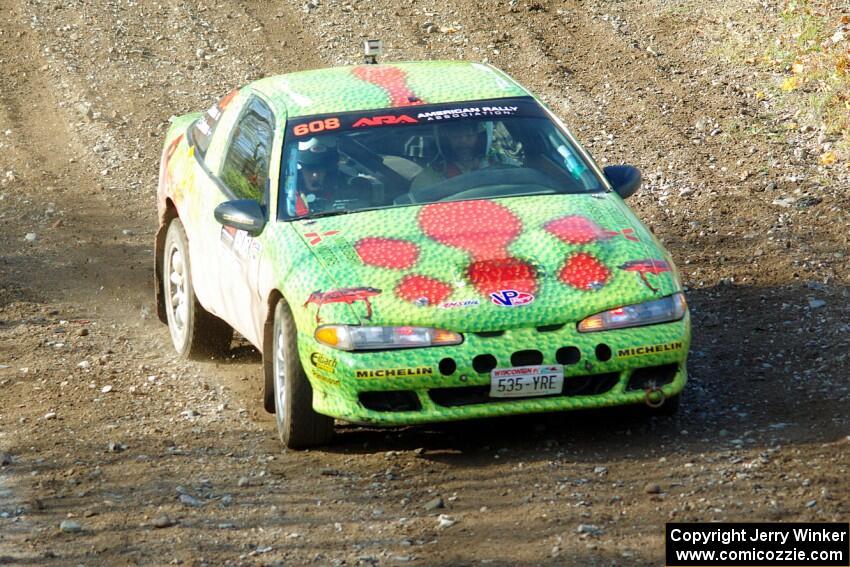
321 184
463 147
318 166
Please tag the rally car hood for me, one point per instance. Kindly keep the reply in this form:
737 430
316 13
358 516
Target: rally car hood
483 265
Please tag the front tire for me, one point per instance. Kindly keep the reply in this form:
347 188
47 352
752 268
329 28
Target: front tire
298 426
195 332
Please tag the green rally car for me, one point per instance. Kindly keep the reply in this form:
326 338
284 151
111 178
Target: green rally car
410 243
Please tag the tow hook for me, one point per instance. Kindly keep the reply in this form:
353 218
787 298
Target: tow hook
654 397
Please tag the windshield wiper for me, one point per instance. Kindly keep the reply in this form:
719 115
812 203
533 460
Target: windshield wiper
338 212
326 214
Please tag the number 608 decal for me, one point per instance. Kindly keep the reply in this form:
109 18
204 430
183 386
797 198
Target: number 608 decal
316 126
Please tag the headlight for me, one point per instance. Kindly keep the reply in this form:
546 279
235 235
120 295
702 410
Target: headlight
664 310
351 337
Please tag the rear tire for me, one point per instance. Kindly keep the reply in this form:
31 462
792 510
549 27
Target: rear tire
298 426
195 332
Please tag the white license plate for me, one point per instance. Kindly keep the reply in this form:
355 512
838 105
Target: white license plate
521 381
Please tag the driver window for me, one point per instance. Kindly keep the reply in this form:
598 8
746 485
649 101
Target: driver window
246 166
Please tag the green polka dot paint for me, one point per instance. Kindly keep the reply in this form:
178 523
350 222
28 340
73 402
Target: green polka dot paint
381 86
513 275
448 265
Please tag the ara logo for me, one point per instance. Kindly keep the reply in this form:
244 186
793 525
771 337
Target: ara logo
511 298
384 121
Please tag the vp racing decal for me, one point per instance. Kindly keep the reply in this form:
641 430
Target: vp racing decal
511 298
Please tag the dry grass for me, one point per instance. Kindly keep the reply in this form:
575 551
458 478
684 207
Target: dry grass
798 53
810 62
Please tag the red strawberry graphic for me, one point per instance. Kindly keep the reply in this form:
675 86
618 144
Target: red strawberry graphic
482 228
575 229
415 287
491 276
387 252
584 272
391 79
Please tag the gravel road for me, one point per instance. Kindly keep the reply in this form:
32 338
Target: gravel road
113 451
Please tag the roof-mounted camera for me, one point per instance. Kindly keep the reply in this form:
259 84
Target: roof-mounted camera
372 48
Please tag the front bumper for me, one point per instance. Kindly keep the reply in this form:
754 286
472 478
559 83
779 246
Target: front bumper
401 387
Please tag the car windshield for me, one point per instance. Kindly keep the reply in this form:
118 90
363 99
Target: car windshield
348 162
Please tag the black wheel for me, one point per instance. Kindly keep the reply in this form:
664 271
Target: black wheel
196 333
298 425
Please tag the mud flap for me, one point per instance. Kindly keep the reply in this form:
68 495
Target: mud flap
159 292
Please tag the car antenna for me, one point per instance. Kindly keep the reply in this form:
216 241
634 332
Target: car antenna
371 49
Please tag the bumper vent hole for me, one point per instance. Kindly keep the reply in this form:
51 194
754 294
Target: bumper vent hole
447 366
662 375
402 400
484 363
591 385
526 358
463 396
550 328
568 355
603 352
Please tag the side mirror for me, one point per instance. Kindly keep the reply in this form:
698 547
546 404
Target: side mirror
242 214
625 179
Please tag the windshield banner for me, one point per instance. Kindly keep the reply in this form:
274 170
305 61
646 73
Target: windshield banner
412 115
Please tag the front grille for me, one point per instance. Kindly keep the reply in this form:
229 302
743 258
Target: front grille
589 385
463 396
401 400
643 378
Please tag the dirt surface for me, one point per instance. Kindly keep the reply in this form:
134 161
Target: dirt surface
160 461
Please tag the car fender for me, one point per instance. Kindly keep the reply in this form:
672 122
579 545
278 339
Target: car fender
175 141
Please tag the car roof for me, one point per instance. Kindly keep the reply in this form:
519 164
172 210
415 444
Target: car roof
367 87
